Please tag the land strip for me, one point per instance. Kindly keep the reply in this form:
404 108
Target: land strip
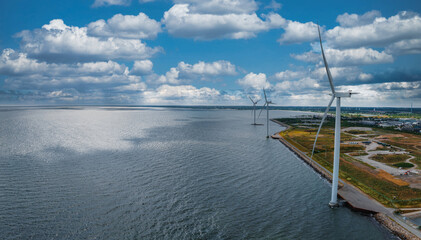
355 198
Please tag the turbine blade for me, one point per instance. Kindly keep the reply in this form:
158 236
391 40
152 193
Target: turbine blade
251 100
263 107
329 76
264 92
321 123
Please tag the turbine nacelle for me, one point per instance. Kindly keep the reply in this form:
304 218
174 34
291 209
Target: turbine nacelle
342 94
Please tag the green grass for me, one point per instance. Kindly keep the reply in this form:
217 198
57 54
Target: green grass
403 165
390 158
351 148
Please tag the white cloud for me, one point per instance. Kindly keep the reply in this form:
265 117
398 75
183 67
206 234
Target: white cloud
274 5
296 32
183 94
14 63
220 7
126 26
411 46
365 77
289 75
170 77
180 21
255 81
99 3
139 86
24 73
352 20
379 33
185 72
60 43
298 85
141 68
347 57
203 68
342 76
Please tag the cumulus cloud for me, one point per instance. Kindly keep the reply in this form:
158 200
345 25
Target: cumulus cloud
58 42
352 42
296 32
411 46
170 77
199 71
181 21
182 94
15 63
220 7
273 5
289 75
347 57
379 33
99 3
24 73
254 81
213 68
141 68
297 86
353 20
125 26
139 86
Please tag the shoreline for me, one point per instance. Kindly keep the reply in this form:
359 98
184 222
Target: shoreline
354 198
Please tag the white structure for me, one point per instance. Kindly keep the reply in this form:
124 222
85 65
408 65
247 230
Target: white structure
267 103
254 109
338 95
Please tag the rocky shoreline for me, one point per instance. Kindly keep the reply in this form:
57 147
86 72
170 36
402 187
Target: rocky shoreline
394 227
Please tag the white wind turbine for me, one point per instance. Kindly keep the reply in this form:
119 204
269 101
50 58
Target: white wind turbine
267 103
254 109
337 145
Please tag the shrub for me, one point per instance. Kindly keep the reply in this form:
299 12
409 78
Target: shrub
403 165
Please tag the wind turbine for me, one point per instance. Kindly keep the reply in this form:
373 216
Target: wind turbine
337 145
267 103
254 109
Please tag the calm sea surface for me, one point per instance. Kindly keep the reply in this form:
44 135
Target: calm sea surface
160 173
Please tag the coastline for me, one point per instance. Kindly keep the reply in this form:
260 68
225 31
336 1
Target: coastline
354 198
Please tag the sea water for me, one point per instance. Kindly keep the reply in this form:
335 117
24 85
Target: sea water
160 173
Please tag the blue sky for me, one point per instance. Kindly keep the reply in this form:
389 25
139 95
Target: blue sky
216 52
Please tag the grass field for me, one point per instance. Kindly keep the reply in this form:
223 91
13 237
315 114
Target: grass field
390 191
403 165
390 158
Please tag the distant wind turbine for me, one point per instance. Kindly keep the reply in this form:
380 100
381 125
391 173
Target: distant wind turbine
338 95
254 109
267 103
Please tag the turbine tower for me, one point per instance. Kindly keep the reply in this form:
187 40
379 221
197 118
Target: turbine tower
254 109
267 103
337 144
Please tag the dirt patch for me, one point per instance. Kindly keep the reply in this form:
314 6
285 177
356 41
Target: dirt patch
413 180
389 136
390 178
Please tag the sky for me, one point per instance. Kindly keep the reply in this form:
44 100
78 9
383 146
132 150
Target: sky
215 52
